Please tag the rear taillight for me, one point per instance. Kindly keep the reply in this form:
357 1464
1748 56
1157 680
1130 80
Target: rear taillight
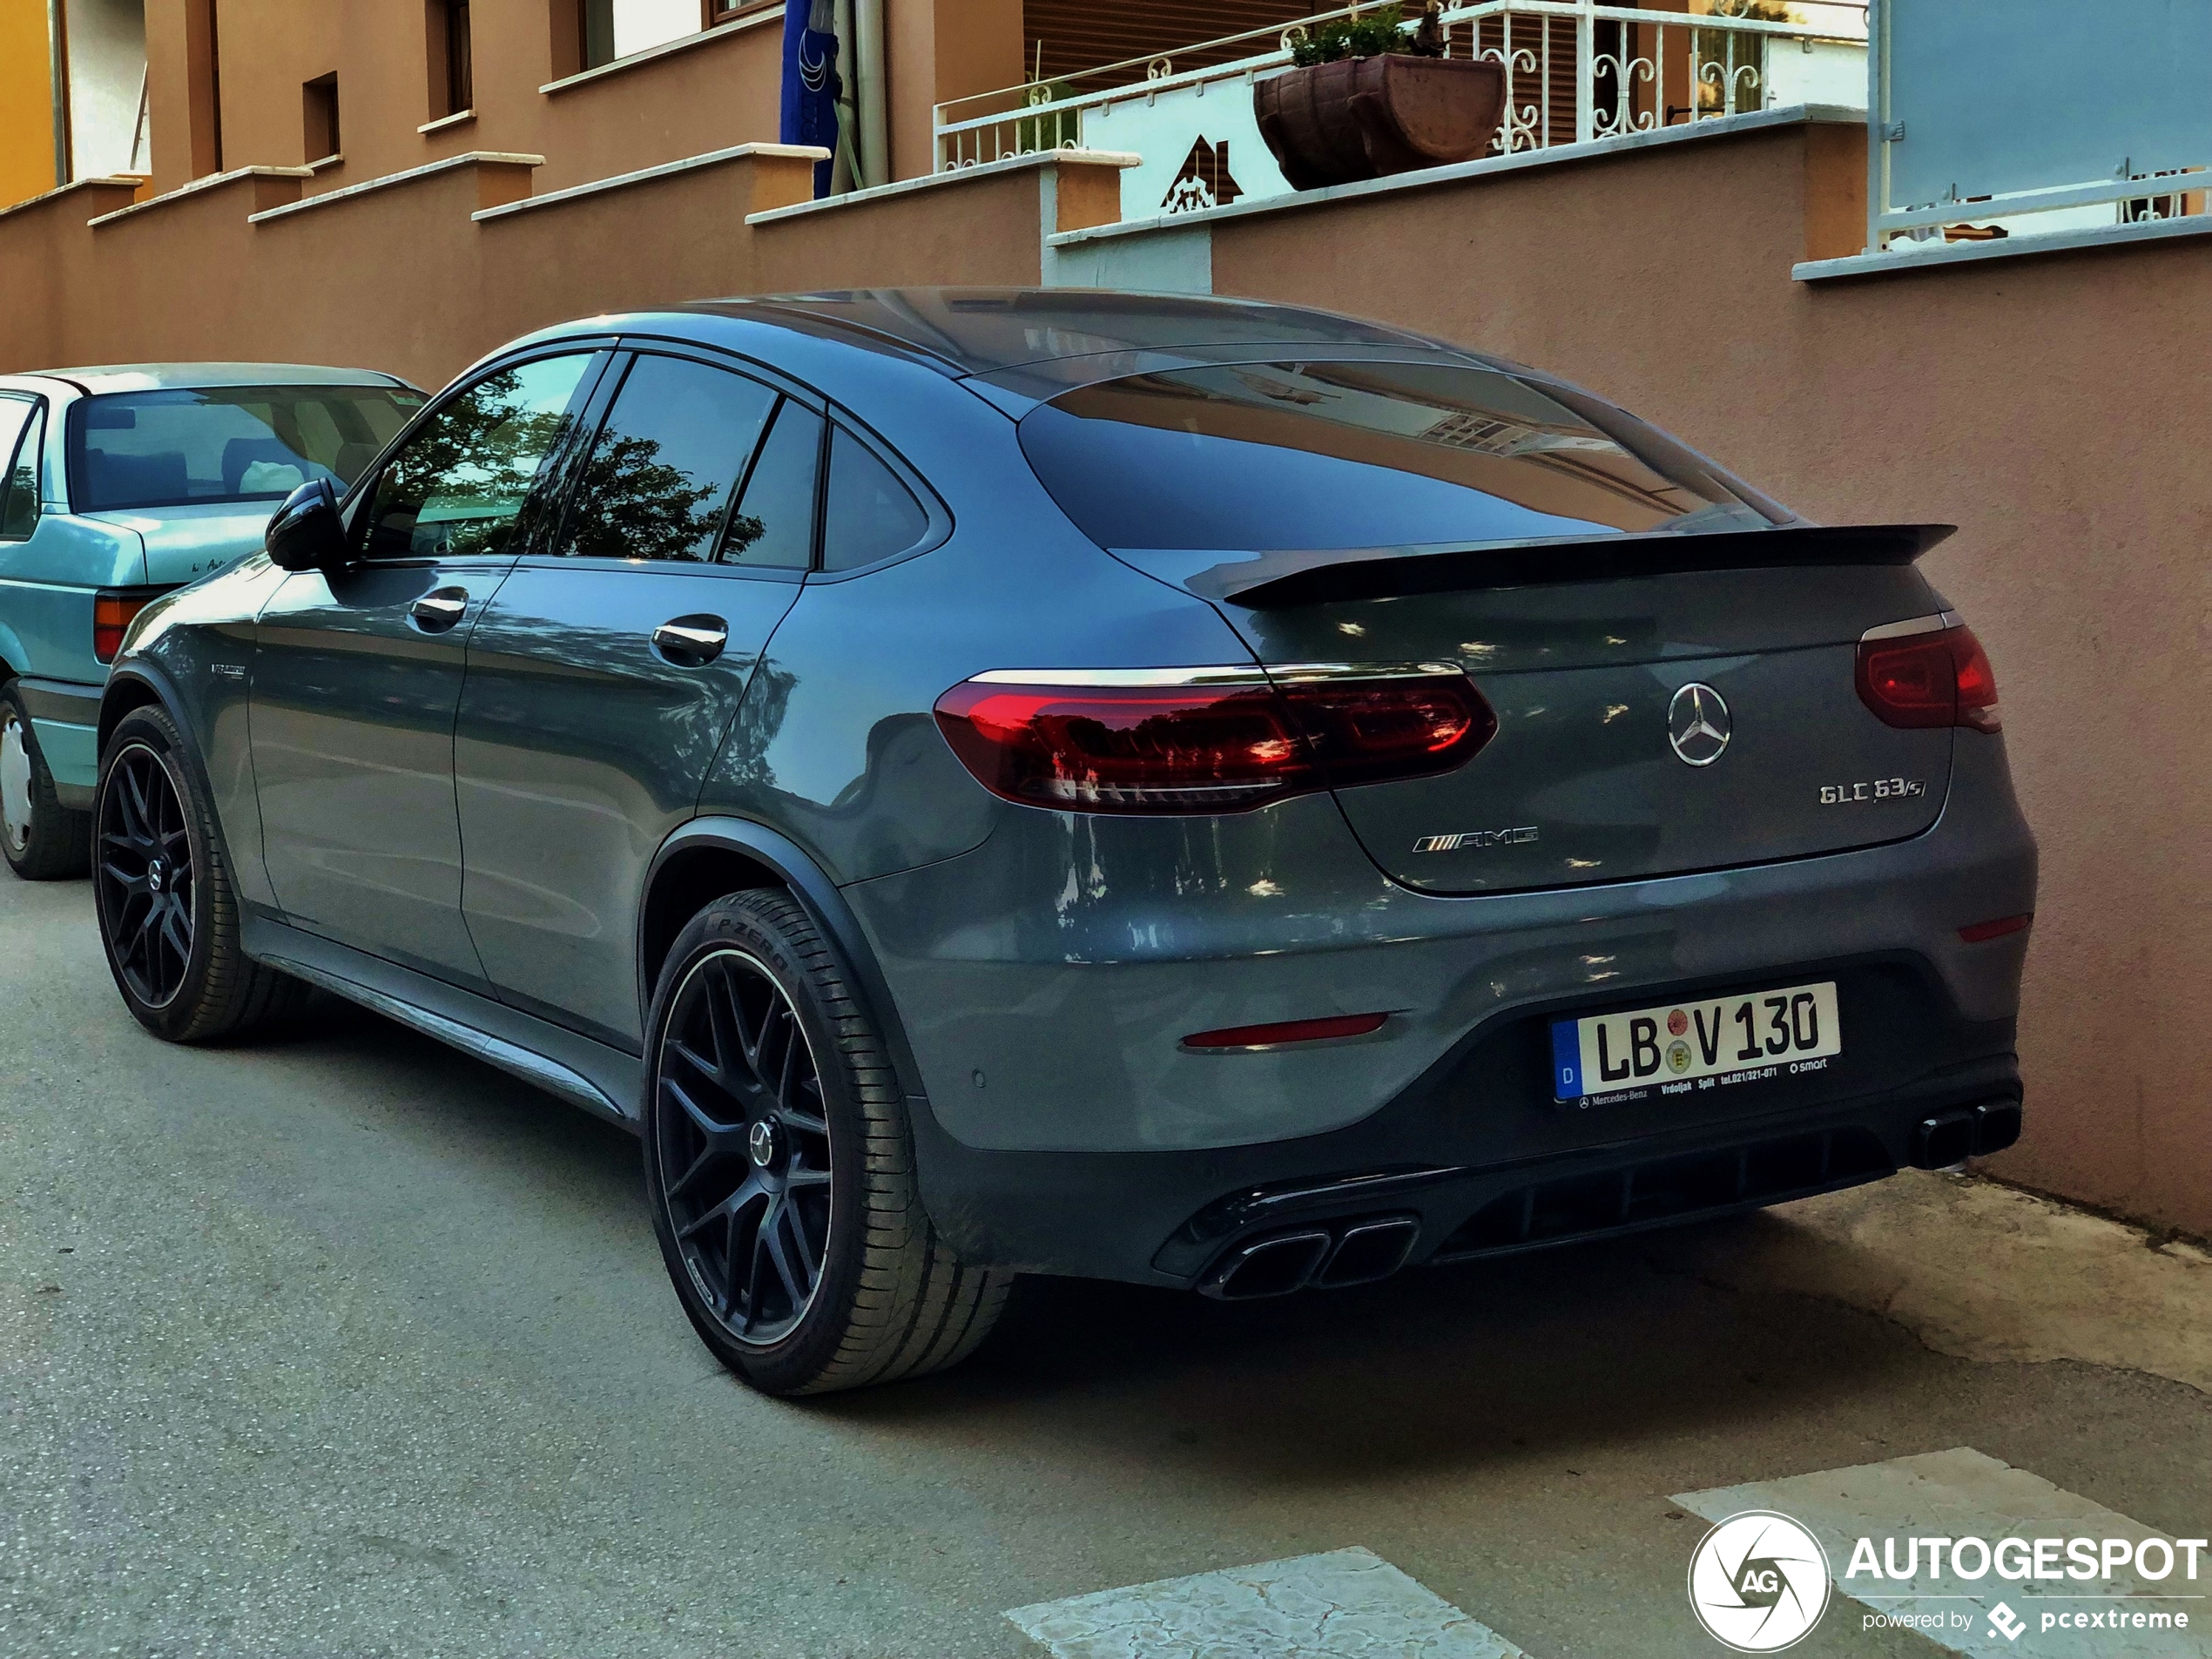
1206 740
112 615
1938 678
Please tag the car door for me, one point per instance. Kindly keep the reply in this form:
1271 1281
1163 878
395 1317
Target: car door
603 677
357 672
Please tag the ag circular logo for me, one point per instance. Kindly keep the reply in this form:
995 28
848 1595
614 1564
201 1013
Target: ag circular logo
1758 1582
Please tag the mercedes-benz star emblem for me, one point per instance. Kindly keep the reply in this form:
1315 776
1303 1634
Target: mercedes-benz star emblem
1697 724
762 1143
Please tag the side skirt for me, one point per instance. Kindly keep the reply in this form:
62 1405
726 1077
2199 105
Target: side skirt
604 1082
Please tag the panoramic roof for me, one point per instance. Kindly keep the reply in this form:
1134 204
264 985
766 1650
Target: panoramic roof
979 330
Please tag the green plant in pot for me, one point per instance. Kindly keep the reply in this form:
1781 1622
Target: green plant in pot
1365 97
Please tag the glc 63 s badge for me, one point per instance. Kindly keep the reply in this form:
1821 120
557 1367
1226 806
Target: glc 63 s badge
1878 789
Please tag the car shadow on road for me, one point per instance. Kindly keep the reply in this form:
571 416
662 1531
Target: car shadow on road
1554 1355
1551 1356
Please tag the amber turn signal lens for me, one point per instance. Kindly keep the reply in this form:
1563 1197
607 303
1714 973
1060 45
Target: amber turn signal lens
112 615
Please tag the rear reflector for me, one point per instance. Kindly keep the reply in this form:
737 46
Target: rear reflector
1931 679
1982 931
1268 1036
112 615
1209 741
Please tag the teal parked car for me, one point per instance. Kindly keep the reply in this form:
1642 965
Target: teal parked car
121 483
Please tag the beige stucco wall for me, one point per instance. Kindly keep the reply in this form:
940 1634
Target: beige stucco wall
716 91
2050 406
720 91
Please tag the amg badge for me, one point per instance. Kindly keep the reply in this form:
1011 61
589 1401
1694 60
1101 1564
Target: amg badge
1474 838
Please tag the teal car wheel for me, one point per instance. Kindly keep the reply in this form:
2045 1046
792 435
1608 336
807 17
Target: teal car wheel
42 839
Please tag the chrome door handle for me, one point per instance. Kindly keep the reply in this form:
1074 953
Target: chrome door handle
438 610
692 642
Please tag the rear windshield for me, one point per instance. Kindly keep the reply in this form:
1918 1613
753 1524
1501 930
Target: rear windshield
230 443
1339 454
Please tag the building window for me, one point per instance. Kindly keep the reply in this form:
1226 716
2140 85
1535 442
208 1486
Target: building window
598 33
204 79
318 116
451 57
606 30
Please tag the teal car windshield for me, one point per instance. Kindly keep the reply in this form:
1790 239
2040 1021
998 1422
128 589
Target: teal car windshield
228 443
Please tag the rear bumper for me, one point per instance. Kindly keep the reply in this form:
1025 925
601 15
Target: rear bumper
1485 1163
65 719
1042 982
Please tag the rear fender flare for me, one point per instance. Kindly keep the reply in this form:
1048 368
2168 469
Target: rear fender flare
825 905
138 686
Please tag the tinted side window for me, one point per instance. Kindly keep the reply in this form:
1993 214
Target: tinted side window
774 523
871 515
457 488
673 448
19 483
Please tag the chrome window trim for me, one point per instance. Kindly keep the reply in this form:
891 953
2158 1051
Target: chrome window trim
1929 625
1250 674
1300 671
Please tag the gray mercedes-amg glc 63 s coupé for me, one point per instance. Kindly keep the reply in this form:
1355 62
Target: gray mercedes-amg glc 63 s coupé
1202 793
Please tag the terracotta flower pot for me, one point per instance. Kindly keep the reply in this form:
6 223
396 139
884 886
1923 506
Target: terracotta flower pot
1361 118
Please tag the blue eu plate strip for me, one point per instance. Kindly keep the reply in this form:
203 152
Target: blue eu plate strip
1566 1061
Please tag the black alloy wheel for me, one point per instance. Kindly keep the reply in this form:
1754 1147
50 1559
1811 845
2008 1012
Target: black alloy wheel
743 1146
170 923
145 877
779 1165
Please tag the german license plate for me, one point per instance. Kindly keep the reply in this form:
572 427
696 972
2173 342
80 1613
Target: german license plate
1687 1047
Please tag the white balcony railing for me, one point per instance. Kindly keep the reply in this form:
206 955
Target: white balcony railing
1575 71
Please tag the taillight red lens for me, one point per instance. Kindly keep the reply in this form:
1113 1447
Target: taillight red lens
1198 748
1940 678
1371 731
112 615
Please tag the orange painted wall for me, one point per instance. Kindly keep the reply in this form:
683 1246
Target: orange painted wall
713 94
940 50
26 102
719 92
403 278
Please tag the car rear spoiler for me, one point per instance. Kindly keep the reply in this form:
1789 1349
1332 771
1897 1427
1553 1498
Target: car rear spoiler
1278 580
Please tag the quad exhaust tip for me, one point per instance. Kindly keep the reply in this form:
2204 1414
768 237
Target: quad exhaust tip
1944 1141
1357 1253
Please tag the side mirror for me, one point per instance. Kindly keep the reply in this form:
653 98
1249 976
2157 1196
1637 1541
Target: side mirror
307 533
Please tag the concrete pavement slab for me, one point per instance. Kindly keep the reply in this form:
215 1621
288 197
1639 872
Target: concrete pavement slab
341 1344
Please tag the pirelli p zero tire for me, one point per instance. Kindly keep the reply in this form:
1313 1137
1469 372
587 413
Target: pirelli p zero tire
780 1167
42 839
168 917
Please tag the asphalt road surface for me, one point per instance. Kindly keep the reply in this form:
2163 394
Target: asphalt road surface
345 1344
